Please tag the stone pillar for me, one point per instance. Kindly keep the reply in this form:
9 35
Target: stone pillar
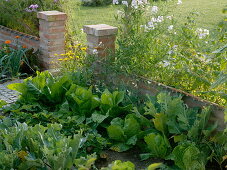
100 39
52 36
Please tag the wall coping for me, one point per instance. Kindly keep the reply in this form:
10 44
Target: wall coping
100 30
32 37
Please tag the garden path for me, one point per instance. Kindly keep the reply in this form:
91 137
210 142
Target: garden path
10 96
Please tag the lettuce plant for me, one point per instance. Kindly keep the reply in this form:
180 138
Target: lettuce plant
22 146
125 132
187 156
158 145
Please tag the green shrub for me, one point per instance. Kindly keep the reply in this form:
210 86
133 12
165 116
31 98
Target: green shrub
96 2
21 15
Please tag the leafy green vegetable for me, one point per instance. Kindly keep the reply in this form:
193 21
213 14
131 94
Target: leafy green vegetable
187 156
22 146
158 145
125 132
110 102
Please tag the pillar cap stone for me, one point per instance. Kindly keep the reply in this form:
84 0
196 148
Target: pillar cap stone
100 30
52 15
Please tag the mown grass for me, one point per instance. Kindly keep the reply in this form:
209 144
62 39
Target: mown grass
210 13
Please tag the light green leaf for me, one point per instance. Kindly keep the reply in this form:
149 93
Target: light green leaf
107 98
98 118
154 166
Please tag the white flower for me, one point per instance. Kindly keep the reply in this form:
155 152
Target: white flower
134 4
170 27
166 63
170 52
154 9
202 32
207 32
160 19
179 2
169 17
175 47
115 2
125 3
95 51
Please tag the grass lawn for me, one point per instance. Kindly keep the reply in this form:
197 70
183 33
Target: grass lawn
210 13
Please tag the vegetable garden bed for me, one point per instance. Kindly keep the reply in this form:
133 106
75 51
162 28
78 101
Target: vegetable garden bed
76 124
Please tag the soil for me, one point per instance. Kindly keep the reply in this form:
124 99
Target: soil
131 155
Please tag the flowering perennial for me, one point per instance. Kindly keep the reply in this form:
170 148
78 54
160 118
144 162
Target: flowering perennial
202 33
32 8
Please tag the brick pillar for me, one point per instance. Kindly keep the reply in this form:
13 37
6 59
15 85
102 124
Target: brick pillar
52 36
100 39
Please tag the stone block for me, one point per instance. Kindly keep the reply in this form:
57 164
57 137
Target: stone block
52 16
100 30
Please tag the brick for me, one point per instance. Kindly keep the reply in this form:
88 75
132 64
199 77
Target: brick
48 29
43 23
53 42
52 48
44 35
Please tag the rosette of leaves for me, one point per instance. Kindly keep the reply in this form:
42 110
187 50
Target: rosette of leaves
158 146
112 103
81 100
125 132
187 156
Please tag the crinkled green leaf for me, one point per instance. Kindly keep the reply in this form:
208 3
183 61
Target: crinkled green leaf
98 118
131 126
116 132
157 144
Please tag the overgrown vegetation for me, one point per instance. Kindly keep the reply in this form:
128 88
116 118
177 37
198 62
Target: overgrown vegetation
186 57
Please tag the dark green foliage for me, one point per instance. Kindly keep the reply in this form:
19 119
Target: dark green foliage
96 2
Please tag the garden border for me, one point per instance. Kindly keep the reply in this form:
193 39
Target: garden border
102 39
